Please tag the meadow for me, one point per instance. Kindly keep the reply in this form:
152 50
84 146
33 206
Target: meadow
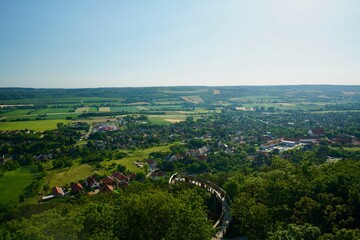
37 125
13 183
137 155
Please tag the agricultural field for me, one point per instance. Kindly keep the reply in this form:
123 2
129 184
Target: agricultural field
53 110
37 125
125 108
82 109
166 119
13 183
193 99
20 112
104 109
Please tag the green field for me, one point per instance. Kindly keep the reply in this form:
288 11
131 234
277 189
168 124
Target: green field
53 110
125 108
164 107
137 155
93 109
13 183
159 121
64 176
167 119
38 125
20 112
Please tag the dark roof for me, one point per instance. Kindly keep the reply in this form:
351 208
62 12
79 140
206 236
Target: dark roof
120 176
57 191
108 180
76 187
106 188
91 181
318 131
131 176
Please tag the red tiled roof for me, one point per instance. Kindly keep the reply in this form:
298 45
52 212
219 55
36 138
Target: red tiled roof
106 188
57 191
318 131
91 181
131 176
108 180
76 187
120 176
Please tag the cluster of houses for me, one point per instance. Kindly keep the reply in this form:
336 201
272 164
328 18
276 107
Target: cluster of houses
93 186
200 154
314 135
105 127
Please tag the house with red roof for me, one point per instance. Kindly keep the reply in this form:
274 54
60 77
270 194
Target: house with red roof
91 182
76 188
120 177
316 132
108 180
57 191
106 188
132 176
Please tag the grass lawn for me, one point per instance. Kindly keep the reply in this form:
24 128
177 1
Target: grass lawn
39 125
13 183
159 121
137 155
64 176
166 119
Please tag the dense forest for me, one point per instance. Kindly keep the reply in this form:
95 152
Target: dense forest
143 211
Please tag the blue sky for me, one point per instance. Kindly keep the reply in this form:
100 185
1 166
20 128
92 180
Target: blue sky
85 43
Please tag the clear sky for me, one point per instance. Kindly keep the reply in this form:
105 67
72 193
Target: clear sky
121 43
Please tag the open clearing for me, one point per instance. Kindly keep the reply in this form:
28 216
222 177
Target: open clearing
104 109
13 183
61 177
82 109
137 155
38 125
216 91
193 99
166 119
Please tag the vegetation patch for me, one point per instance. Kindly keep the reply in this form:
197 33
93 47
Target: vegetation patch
137 155
138 103
82 109
38 125
13 183
193 99
19 112
66 176
104 109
